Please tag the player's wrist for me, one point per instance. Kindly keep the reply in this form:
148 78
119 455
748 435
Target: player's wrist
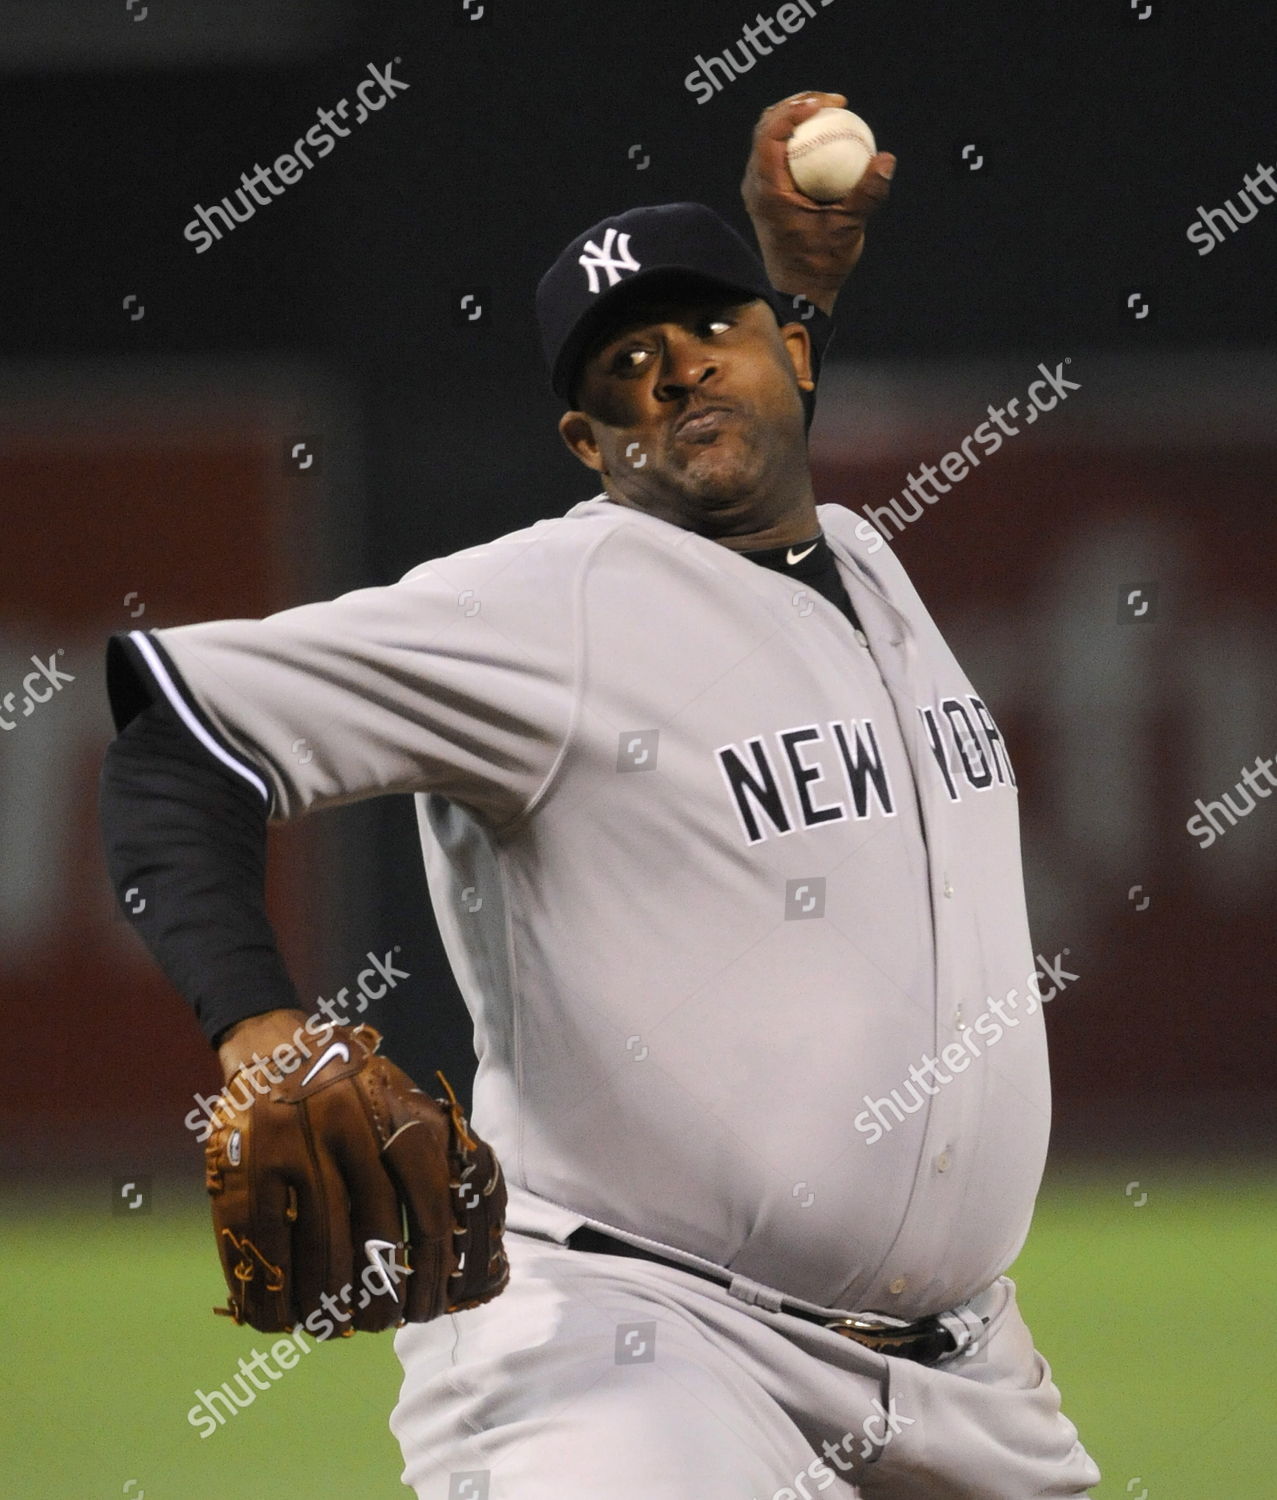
257 1036
801 276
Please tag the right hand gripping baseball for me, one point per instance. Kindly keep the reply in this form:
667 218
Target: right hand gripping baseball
346 1199
807 247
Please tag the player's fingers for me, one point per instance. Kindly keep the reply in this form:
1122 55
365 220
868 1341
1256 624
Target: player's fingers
851 211
778 121
767 177
872 191
876 183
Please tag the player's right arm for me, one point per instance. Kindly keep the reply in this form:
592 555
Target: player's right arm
459 683
809 249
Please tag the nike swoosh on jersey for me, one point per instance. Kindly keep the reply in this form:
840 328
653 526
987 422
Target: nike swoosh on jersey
338 1049
792 557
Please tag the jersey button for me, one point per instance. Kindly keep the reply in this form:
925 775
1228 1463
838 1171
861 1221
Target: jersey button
943 1162
898 1285
948 889
863 639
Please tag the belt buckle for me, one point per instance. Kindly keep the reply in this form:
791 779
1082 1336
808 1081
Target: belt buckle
875 1333
906 1340
863 1325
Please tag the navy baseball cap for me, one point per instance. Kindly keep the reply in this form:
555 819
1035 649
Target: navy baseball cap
593 278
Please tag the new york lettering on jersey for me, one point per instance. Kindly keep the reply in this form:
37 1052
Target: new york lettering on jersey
766 781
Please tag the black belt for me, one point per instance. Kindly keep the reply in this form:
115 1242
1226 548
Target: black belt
925 1341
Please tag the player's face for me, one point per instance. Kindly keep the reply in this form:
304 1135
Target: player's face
735 470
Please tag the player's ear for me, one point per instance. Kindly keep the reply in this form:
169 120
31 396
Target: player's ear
577 432
797 343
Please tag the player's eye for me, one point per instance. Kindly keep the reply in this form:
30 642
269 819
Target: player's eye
624 361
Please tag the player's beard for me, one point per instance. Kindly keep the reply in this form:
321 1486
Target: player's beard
727 485
737 485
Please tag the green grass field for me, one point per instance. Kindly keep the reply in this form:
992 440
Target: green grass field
1158 1318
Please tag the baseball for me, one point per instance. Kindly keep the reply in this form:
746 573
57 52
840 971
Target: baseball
828 154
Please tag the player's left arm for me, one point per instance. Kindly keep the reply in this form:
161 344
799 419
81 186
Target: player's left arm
808 248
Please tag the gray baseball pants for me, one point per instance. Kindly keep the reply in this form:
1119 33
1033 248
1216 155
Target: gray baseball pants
598 1377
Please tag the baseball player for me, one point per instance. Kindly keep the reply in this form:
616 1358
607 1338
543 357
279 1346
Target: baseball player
723 847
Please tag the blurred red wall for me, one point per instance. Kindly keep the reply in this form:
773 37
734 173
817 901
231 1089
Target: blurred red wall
94 532
1116 727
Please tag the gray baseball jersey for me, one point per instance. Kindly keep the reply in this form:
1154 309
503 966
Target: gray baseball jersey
732 890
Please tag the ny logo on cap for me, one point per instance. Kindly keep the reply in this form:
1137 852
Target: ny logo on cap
595 260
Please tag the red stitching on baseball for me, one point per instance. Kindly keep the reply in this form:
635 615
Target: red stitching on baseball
804 147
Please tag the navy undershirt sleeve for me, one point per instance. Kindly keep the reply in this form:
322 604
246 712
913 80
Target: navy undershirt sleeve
188 839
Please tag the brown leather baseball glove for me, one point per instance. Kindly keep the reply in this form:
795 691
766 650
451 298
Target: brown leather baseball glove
346 1199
